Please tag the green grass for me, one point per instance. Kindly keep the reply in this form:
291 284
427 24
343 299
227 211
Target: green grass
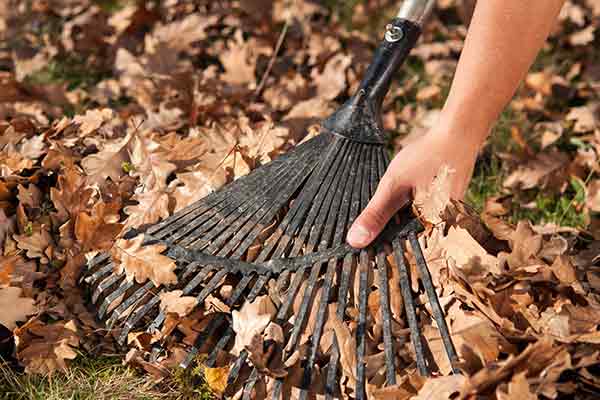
71 70
102 378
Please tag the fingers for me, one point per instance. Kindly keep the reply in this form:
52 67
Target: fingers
389 197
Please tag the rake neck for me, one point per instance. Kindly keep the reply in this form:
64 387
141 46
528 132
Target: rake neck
359 119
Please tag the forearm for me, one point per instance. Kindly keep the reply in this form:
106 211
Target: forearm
503 40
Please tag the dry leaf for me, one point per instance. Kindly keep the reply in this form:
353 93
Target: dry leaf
174 302
251 320
92 120
216 378
44 349
143 263
14 307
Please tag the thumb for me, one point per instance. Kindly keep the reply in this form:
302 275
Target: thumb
388 198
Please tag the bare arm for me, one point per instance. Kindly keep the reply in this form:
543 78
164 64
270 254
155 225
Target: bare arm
502 42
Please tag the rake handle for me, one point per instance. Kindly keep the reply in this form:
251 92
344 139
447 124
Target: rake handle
400 37
359 119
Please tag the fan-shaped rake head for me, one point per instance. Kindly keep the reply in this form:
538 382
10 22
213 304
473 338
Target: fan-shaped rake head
302 205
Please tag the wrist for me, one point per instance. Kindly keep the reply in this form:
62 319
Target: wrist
466 129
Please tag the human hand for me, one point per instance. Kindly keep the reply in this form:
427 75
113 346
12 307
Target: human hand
414 167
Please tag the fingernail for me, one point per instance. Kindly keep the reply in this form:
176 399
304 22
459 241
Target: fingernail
358 235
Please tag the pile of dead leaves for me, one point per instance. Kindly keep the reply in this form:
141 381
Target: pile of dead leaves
116 117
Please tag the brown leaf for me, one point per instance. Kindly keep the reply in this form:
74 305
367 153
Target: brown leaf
108 163
585 117
540 171
251 320
518 388
174 302
432 201
92 120
94 230
143 263
332 81
35 244
238 61
152 206
44 349
14 307
150 162
190 187
440 388
582 37
470 257
593 196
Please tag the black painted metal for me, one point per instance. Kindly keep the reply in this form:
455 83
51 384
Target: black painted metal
310 197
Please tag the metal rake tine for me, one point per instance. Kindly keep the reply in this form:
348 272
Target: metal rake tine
300 317
243 185
352 204
229 333
211 285
98 259
438 313
334 359
293 289
319 323
231 207
212 357
239 289
294 218
189 269
258 285
284 186
134 318
129 302
104 285
330 208
202 337
250 384
234 372
337 218
250 231
123 287
327 212
233 211
409 308
361 330
196 280
318 213
93 278
384 302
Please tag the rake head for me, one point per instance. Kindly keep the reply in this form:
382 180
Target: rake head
285 223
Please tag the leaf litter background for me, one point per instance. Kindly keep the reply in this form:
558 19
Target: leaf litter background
117 114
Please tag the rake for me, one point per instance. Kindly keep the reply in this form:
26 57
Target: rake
298 209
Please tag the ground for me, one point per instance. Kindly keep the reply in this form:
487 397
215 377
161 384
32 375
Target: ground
63 61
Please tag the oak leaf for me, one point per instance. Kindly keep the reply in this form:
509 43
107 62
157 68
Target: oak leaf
143 262
152 206
92 120
174 302
44 349
251 320
14 307
35 244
